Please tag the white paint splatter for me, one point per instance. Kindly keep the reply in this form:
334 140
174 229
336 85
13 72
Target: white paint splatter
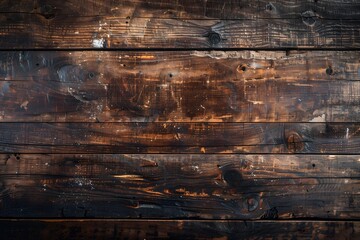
24 105
319 118
256 102
98 43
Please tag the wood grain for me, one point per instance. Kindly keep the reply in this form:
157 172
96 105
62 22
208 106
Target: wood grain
170 140
180 186
176 229
330 138
180 24
189 86
207 9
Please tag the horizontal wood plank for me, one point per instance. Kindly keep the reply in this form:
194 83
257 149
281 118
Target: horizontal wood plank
180 186
207 9
180 24
194 86
330 138
176 229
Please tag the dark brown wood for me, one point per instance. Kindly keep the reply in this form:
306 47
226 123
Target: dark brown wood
180 186
226 9
329 138
165 131
192 86
176 229
180 24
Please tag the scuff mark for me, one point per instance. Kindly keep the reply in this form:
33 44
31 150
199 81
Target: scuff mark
259 55
77 97
131 177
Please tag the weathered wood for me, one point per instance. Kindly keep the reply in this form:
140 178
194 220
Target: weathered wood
180 24
330 138
216 86
207 9
180 186
176 229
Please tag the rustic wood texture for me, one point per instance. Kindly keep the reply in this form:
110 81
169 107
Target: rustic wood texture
328 138
191 86
180 229
180 186
207 119
179 24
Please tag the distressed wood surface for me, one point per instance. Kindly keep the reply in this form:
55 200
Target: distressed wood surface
330 138
180 186
177 229
190 86
180 24
226 9
165 131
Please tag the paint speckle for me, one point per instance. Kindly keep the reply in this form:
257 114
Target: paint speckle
321 118
24 105
98 43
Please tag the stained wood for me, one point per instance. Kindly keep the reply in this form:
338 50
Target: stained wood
177 229
180 186
330 138
189 86
226 9
180 24
262 136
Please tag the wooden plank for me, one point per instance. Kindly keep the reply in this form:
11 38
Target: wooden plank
180 186
330 138
226 9
215 86
176 229
185 24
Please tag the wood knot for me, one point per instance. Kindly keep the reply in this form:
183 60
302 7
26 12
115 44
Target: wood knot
48 11
309 18
329 70
295 143
241 68
214 38
251 203
232 177
269 7
91 75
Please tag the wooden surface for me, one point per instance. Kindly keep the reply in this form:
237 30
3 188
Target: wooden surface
180 186
179 24
187 86
162 119
177 229
331 138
